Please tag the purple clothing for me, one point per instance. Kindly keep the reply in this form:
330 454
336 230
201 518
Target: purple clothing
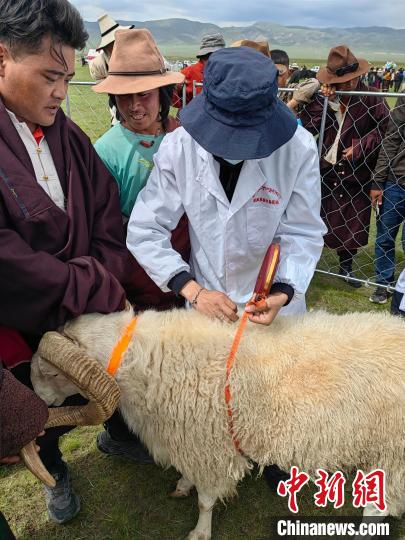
56 265
345 206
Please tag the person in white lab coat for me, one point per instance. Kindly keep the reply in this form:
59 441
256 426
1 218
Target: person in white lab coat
245 175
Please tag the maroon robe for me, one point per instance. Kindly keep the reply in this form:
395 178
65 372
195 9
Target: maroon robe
346 206
55 264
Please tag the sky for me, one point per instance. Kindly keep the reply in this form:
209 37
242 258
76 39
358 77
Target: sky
315 13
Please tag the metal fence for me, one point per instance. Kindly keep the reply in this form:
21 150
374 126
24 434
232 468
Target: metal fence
367 242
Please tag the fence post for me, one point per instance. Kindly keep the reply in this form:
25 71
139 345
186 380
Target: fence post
323 124
68 113
184 95
194 89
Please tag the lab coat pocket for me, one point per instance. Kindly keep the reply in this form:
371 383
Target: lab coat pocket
262 222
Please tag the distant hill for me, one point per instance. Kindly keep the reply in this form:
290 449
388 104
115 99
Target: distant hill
181 37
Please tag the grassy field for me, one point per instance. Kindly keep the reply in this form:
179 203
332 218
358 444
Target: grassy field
125 501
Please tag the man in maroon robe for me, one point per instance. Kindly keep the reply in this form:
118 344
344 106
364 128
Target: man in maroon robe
62 245
355 126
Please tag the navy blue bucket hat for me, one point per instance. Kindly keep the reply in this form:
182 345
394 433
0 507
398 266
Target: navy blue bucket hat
238 114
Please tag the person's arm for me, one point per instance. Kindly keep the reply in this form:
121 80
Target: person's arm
389 150
311 115
108 236
98 68
39 292
364 146
300 237
156 213
303 93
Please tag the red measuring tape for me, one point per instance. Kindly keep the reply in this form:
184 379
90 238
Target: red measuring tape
262 288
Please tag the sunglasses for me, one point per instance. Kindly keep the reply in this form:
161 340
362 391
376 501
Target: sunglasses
346 69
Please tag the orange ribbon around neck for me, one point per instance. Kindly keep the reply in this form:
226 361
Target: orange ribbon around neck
261 291
121 347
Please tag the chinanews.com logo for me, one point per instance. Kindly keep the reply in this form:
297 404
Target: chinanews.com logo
367 490
330 527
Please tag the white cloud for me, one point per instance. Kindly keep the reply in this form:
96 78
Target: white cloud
320 13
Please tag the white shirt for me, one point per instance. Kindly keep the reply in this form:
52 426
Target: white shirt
277 198
42 162
331 155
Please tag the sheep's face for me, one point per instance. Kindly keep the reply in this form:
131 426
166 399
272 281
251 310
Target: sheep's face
50 383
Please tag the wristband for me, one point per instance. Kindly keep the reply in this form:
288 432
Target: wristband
194 302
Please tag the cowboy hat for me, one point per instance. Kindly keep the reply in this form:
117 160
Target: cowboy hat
108 27
342 66
261 46
136 65
238 114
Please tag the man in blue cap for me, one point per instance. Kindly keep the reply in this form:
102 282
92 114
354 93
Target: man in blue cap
245 175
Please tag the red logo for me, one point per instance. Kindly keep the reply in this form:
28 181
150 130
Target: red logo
330 489
292 486
369 489
366 489
267 195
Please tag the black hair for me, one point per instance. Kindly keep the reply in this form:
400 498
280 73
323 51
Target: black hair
24 24
204 56
280 57
165 100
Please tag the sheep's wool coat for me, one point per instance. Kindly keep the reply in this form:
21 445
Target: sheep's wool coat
316 391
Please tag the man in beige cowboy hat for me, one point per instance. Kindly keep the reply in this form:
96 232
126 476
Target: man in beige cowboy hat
99 65
355 127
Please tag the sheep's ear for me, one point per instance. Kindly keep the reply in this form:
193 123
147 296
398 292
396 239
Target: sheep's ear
45 368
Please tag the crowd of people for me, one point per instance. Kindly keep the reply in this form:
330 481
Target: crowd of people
387 79
172 211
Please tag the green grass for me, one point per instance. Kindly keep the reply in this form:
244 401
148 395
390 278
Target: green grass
125 501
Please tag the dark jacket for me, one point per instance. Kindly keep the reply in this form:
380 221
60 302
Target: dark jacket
22 414
55 264
346 186
391 159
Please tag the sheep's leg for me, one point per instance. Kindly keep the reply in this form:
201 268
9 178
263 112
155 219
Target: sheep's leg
183 488
203 530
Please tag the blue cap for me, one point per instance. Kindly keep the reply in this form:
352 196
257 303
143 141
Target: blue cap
238 114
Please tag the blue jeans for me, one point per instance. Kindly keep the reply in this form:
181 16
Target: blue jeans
392 214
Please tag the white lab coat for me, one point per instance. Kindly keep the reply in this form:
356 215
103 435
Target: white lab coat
276 199
400 287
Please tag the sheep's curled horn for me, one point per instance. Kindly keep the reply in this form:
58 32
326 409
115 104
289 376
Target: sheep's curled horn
96 384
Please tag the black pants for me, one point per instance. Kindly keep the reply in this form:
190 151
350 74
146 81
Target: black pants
396 300
50 453
346 258
5 532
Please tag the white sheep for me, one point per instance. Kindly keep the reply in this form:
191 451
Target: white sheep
315 391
